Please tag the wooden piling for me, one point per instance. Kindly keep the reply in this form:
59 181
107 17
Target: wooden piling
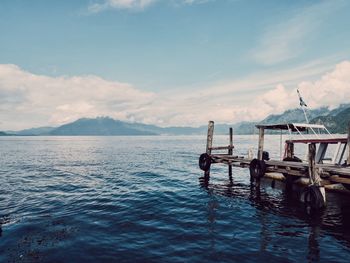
230 151
210 137
290 150
348 160
261 143
314 174
209 142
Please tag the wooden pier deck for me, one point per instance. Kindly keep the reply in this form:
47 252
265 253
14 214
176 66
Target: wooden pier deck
327 171
315 173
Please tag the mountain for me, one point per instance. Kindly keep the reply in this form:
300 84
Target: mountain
336 122
3 133
98 126
33 131
295 115
339 109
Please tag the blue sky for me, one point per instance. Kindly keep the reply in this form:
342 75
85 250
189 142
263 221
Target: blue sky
194 51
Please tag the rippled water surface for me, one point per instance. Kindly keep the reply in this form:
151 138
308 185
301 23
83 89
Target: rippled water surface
143 199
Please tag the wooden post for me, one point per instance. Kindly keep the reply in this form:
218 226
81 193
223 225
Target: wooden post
230 151
348 160
312 165
290 150
210 137
314 175
261 143
209 143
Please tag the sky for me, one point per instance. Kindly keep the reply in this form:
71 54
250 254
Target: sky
169 62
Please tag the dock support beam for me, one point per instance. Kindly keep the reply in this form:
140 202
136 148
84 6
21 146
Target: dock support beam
209 142
290 150
230 151
261 143
210 137
314 175
348 160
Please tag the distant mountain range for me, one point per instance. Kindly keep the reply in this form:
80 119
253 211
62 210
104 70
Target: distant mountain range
335 120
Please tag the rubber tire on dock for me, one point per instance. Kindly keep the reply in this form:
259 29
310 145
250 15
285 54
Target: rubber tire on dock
313 197
204 162
257 169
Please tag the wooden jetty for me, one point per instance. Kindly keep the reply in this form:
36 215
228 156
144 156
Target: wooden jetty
317 173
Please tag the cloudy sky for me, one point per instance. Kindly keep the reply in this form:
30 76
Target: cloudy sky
169 62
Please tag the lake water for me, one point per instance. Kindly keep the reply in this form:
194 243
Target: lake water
143 199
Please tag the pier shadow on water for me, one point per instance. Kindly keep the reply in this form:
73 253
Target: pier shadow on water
271 199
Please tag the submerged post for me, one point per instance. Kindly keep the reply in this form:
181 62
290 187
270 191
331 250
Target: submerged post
261 143
348 160
230 150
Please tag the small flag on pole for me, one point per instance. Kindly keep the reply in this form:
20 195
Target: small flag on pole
302 102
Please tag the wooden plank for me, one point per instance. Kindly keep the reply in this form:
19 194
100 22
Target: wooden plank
336 170
229 147
341 180
290 172
320 140
295 165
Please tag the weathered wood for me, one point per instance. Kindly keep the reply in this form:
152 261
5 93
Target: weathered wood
284 171
210 137
290 150
293 168
261 143
313 176
209 143
229 147
348 160
338 179
230 150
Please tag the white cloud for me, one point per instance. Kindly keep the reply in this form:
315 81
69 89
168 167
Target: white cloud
133 4
29 100
331 90
287 39
119 4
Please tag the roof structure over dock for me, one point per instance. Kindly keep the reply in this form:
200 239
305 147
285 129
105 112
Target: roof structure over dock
291 126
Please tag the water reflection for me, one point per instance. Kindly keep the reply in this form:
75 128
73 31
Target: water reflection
270 199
